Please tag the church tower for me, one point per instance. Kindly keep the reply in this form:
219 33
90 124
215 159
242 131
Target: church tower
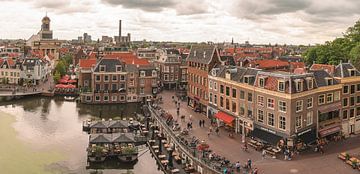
45 32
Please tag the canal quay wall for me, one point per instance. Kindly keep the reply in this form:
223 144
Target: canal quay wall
185 153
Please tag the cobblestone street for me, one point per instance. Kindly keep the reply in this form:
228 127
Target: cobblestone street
231 148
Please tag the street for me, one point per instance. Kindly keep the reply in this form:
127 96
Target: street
231 148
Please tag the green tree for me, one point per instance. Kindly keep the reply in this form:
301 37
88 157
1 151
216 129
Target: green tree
353 33
61 68
355 56
57 76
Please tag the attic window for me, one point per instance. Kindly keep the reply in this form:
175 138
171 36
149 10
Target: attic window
195 53
352 72
310 83
262 82
247 79
281 86
142 73
118 68
299 85
329 81
102 68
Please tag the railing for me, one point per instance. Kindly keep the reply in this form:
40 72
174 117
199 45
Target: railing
185 149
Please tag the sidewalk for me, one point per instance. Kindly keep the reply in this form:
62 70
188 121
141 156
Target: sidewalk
231 148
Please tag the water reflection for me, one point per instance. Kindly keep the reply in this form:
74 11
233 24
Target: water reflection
52 124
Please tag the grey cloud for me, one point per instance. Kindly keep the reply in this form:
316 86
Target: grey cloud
181 7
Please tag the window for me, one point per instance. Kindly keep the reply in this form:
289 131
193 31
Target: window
242 109
260 100
106 78
222 89
281 86
215 86
227 104
153 73
118 68
270 119
352 113
345 114
298 121
357 111
358 99
166 68
210 84
106 98
142 73
122 77
97 98
299 86
262 82
310 83
309 118
227 91
250 97
358 87
345 101
352 72
310 102
142 81
270 103
97 77
321 99
336 95
210 97
141 90
346 89
102 68
233 107
352 101
282 106
282 122
221 101
234 93
113 87
260 116
329 97
242 95
114 77
329 81
215 99
352 89
113 98
299 106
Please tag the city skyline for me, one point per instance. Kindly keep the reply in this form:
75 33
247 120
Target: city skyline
268 21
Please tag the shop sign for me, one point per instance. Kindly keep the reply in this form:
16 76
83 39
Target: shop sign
304 132
268 130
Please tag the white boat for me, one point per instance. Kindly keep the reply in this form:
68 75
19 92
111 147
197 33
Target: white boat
69 98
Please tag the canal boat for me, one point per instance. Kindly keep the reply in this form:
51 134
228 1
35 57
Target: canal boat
69 98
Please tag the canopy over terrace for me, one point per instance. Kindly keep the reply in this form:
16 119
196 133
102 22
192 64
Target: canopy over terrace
112 138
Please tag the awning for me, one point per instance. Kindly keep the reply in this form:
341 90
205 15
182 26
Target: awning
265 136
330 131
307 136
329 108
224 117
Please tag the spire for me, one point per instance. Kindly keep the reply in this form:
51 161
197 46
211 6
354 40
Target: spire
232 41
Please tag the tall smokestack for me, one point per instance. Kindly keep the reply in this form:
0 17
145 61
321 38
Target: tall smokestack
119 29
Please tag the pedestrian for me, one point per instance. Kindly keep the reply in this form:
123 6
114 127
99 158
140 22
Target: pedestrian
200 123
249 163
263 154
225 170
190 117
321 148
203 123
255 171
188 125
217 130
191 125
210 129
237 165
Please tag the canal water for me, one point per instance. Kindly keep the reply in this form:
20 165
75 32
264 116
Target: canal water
44 135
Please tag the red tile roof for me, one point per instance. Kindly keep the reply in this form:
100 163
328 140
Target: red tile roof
329 68
265 64
87 63
128 58
298 64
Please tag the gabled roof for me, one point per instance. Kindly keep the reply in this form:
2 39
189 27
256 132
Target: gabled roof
202 53
321 76
268 64
123 138
128 58
98 124
100 138
342 70
87 63
110 64
118 124
328 68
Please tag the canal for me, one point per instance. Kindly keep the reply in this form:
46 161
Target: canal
44 135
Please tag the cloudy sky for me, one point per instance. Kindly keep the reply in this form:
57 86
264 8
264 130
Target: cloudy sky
258 21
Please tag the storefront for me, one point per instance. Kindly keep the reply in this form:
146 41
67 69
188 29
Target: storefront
330 131
196 105
267 135
211 111
307 136
225 120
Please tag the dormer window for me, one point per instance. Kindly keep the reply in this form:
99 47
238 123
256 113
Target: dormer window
329 81
310 83
281 86
262 82
118 68
102 68
299 85
142 73
228 75
153 73
352 72
247 79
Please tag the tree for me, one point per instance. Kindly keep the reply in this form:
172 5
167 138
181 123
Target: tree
61 68
355 56
57 76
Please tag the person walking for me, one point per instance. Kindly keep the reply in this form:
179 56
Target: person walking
203 123
237 165
263 154
249 163
200 123
217 130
